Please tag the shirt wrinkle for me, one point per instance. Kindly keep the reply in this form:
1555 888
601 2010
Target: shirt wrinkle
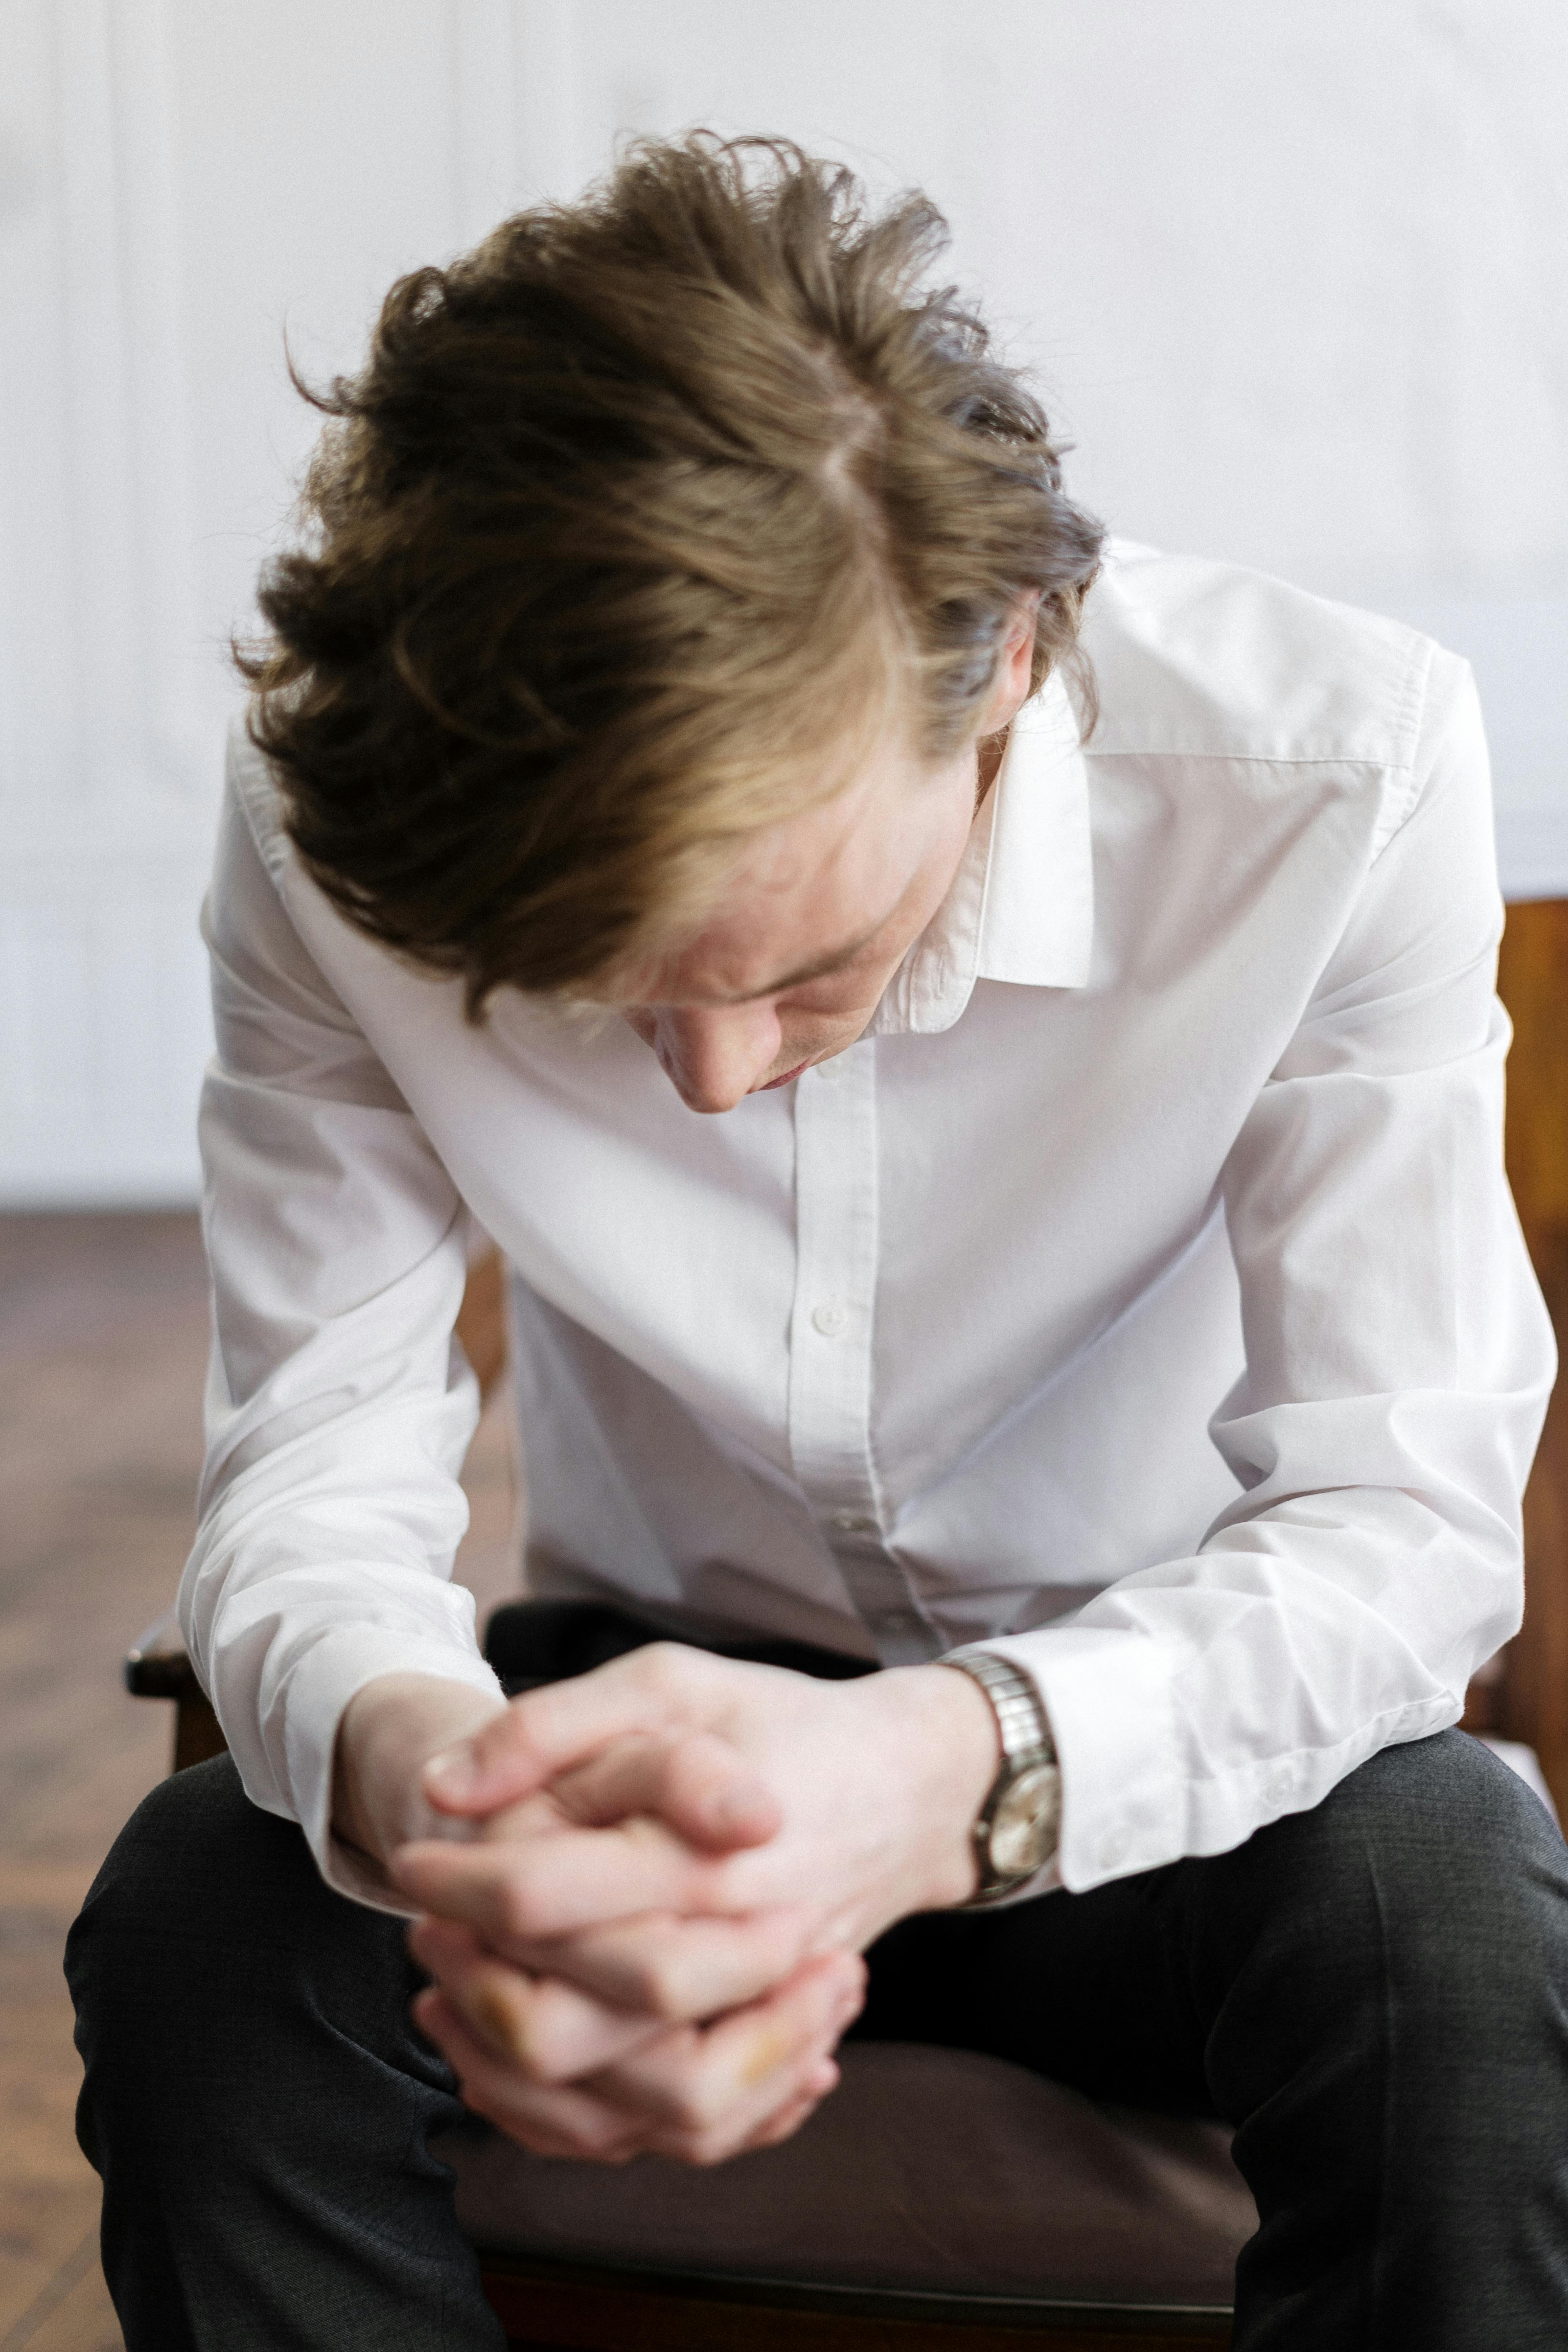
1042 1302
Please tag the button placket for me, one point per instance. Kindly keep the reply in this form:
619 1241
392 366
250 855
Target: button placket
835 1184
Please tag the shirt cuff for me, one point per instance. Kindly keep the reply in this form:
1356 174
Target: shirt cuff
317 1690
1106 1694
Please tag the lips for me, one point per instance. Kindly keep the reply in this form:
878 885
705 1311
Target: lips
788 1078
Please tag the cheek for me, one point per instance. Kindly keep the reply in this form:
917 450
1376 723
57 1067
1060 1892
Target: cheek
815 1032
829 1004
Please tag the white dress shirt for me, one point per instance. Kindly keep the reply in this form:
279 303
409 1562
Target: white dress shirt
1141 1294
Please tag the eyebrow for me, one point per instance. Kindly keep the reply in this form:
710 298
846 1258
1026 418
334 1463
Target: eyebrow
820 969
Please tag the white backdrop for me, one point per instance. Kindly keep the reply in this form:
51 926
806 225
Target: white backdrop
1292 272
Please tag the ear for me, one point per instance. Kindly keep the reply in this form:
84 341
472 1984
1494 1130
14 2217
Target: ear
1014 667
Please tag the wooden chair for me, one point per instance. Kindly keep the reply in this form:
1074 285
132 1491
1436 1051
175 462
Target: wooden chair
1524 1692
895 2221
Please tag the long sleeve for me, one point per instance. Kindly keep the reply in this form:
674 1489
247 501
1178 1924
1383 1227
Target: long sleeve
339 1407
1398 1361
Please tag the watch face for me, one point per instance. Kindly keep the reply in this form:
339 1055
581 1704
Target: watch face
1024 1825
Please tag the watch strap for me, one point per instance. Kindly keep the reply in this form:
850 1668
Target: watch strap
1027 1746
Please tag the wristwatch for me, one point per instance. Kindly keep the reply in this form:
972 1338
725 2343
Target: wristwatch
1020 1823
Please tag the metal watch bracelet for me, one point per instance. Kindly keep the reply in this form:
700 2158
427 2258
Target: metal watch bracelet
1015 1831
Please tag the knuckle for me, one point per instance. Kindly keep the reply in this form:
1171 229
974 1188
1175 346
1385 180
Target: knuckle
540 2064
685 2106
604 2143
556 2056
703 2150
658 1664
671 1667
661 1986
537 1722
702 2104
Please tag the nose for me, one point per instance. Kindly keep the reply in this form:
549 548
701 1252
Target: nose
713 1057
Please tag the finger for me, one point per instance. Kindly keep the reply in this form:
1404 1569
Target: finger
693 1781
545 1732
610 2120
708 2089
547 2028
543 1887
678 1969
551 2120
788 2120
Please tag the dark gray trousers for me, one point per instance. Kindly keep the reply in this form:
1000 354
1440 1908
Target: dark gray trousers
1375 1993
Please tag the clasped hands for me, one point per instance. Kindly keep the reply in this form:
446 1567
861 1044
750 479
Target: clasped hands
650 1935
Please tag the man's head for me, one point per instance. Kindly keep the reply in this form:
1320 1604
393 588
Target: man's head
670 559
818 913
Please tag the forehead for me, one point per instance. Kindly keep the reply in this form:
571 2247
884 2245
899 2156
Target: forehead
808 890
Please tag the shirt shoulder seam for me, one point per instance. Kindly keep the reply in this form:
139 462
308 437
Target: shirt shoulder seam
1398 806
256 790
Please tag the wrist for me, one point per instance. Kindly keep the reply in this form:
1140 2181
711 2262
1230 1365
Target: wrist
387 1734
955 1753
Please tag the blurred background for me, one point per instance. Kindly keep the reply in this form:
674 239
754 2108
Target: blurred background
1294 277
1293 274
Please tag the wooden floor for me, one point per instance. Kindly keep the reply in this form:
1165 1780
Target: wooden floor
102 1338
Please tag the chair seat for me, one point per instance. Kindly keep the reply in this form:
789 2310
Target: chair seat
928 2173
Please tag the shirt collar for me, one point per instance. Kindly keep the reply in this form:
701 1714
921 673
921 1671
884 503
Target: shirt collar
1021 905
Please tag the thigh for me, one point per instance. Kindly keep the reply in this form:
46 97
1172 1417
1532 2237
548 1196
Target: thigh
256 2098
210 1946
1087 1989
1429 1884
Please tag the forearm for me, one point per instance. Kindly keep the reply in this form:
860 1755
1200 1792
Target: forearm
337 1411
389 1731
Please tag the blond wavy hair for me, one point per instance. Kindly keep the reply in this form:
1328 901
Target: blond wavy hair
636 523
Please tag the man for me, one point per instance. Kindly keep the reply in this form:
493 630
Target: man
985 1064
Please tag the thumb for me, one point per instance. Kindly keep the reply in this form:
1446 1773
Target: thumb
452 1779
543 1733
496 1765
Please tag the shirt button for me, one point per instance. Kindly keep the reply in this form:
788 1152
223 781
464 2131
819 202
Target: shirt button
850 1523
830 1317
895 1621
1113 1853
1281 1785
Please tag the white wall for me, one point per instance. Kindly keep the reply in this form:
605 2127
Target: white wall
1293 272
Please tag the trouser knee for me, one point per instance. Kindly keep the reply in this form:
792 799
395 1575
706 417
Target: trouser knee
256 2097
1420 1911
1436 1865
210 1958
